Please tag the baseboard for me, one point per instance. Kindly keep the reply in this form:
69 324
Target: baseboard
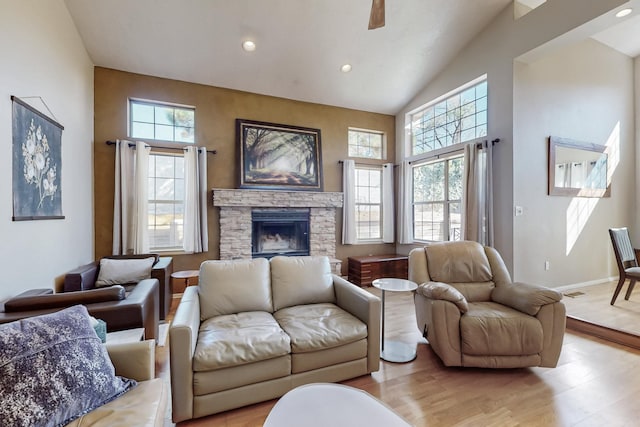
585 284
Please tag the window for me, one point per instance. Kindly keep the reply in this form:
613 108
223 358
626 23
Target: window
160 121
368 196
458 118
366 144
166 201
437 199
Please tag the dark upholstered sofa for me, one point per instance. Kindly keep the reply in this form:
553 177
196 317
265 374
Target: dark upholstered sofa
84 278
120 310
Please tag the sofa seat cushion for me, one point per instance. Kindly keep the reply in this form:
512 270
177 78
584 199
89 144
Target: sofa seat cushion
491 329
238 339
314 327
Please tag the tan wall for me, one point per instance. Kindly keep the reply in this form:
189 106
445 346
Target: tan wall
216 111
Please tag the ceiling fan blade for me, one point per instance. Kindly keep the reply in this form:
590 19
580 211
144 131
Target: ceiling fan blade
376 20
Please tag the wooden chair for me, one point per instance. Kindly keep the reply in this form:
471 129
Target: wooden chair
626 259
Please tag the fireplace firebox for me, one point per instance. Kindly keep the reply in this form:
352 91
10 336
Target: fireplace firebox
279 232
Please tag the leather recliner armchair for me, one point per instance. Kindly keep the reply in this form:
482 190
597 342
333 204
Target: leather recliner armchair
473 315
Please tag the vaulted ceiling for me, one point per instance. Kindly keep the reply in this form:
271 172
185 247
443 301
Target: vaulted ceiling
300 45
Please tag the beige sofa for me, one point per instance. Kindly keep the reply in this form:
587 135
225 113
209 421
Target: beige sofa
472 314
144 405
254 329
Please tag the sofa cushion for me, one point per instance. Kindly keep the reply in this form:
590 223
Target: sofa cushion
238 339
492 329
301 280
316 327
227 287
457 262
122 271
53 369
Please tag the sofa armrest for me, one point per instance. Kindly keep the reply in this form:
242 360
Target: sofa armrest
444 292
366 307
183 336
524 297
63 299
134 360
81 278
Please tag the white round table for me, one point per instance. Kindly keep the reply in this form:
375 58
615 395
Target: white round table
395 351
331 405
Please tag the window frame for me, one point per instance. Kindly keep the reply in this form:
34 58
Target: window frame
383 143
372 240
446 202
175 106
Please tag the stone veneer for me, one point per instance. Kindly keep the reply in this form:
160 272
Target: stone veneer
235 218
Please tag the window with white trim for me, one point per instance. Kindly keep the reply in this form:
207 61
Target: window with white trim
151 120
368 144
437 199
458 118
368 201
162 122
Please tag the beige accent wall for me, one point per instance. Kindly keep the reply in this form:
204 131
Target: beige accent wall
43 59
216 111
584 92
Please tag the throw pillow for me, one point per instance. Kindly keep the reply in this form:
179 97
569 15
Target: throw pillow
123 271
53 369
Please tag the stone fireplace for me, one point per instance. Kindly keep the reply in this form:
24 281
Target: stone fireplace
238 205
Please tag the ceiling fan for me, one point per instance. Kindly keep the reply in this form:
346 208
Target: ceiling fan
376 19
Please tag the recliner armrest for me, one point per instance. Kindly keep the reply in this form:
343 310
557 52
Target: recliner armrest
444 292
525 297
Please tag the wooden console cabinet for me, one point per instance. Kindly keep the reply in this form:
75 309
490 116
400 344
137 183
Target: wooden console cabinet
365 269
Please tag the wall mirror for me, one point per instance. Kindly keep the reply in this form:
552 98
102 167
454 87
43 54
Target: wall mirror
577 169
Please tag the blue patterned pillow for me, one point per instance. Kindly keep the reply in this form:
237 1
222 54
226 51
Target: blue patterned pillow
53 369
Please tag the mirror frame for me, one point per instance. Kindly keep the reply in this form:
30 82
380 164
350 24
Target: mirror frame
554 143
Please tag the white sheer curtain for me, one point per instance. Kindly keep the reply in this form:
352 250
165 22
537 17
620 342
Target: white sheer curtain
196 235
478 193
387 204
405 214
349 205
130 235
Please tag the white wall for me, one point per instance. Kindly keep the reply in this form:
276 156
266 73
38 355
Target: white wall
493 52
584 92
43 56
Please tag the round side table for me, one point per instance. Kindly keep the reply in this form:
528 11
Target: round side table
395 351
185 276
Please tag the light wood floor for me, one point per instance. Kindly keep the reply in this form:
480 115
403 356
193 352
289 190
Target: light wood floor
596 383
592 303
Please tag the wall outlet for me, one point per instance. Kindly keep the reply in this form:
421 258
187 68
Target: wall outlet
547 265
519 210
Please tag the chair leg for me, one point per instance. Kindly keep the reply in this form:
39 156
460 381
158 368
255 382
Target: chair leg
629 289
618 288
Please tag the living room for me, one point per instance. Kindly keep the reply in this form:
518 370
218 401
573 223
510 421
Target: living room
546 76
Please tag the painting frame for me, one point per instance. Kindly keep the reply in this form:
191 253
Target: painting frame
36 163
278 157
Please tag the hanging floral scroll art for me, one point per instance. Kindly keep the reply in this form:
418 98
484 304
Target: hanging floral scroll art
37 164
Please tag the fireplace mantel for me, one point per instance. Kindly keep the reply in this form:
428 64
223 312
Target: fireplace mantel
235 217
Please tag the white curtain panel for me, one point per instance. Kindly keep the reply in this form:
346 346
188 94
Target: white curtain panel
349 204
130 198
387 204
478 194
196 235
405 214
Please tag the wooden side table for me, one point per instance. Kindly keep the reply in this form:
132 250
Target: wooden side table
363 270
183 279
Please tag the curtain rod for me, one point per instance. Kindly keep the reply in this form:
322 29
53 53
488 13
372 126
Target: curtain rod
384 165
164 148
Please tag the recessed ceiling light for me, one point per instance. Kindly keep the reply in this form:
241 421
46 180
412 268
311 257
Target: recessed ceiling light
248 46
345 68
624 12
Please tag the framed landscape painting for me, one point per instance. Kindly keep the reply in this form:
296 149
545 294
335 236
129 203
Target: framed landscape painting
37 164
274 156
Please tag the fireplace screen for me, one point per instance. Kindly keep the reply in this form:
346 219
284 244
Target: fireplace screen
280 232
